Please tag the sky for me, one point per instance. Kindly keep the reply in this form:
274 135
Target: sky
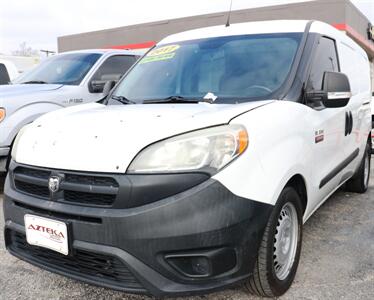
40 22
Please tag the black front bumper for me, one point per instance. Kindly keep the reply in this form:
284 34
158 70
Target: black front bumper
150 248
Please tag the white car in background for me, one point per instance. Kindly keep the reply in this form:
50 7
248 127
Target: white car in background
60 81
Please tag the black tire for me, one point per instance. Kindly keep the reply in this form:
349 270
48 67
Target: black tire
359 183
9 156
264 281
8 162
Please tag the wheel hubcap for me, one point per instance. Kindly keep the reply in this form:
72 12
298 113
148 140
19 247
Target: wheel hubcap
285 241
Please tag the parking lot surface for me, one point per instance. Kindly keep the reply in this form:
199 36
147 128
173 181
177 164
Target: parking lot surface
337 260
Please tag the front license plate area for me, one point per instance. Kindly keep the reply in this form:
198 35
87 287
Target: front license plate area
47 233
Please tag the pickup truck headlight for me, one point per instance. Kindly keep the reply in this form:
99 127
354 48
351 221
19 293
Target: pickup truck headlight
2 114
207 149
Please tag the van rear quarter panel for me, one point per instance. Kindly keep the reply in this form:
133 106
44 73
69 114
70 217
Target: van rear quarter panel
355 64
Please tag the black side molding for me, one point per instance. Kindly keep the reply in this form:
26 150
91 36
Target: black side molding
339 168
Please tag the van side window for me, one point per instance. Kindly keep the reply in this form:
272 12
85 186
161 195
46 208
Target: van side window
114 67
324 60
4 76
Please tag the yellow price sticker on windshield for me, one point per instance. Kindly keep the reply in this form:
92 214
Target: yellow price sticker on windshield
164 50
159 54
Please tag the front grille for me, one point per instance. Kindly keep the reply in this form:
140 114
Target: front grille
34 172
89 198
101 268
91 180
58 215
36 190
74 188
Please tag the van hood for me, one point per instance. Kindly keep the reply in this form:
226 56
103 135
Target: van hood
7 92
99 138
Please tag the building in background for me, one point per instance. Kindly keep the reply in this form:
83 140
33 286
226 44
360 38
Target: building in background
340 13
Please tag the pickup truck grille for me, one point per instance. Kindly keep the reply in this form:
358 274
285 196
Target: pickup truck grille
74 188
100 268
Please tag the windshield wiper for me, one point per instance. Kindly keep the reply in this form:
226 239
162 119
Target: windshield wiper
122 99
172 99
35 82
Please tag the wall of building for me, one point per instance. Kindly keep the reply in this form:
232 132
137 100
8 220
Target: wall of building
341 13
330 11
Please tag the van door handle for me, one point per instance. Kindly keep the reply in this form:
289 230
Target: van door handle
348 123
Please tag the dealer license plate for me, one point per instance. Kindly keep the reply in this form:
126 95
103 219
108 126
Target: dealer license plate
47 233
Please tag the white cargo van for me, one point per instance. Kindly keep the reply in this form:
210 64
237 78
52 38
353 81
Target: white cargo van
202 166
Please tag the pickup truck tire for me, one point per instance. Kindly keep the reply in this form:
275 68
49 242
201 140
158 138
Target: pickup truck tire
279 252
359 183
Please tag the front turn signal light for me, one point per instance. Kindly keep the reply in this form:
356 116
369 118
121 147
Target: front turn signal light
2 114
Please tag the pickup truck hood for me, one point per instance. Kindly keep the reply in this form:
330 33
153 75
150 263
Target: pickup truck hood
7 92
99 138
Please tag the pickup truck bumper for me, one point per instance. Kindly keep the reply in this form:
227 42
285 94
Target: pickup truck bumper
195 241
4 152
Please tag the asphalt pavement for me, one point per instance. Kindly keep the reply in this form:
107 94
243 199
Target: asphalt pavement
337 260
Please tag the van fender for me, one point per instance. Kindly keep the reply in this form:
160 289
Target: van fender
278 149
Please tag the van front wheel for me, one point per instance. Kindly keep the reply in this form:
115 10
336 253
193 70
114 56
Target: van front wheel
279 252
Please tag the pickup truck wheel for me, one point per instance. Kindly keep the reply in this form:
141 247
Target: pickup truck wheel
279 252
359 183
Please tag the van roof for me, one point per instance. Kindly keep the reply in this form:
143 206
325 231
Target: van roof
278 26
262 27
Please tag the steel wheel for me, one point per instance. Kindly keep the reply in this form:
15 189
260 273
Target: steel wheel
285 241
279 252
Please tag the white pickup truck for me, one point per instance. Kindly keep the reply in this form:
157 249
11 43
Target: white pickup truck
63 80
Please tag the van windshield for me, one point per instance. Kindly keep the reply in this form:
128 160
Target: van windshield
69 69
225 69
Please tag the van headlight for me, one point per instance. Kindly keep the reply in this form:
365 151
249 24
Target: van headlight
207 150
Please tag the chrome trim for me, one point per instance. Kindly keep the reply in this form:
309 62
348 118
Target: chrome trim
339 95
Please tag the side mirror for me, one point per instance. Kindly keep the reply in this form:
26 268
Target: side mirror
96 86
109 85
336 91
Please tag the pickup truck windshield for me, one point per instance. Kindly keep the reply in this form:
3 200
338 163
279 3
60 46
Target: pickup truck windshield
68 69
224 70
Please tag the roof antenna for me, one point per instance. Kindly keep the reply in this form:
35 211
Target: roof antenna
229 15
